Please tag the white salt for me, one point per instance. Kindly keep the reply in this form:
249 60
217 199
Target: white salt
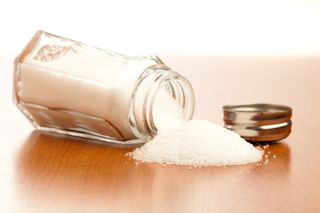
198 143
105 93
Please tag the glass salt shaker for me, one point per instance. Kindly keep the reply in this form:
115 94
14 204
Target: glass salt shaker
63 86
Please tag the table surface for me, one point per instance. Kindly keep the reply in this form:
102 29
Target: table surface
50 173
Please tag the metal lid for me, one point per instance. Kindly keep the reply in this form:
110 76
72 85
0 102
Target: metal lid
259 122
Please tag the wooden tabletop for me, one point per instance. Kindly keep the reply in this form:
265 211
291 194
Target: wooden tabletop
50 173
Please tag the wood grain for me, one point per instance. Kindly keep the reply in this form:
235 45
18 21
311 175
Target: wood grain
40 172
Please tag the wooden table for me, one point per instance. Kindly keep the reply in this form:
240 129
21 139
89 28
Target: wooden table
49 173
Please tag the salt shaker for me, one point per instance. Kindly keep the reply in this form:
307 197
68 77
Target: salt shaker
67 87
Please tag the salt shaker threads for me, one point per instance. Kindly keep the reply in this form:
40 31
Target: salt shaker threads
63 86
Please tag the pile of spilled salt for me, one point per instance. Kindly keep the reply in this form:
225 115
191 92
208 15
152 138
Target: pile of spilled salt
194 143
198 143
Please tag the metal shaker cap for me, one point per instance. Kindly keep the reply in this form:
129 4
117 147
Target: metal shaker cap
259 122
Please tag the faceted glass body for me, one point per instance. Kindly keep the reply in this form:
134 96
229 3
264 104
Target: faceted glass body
67 87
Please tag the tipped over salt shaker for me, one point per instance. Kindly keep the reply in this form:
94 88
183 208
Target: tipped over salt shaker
63 86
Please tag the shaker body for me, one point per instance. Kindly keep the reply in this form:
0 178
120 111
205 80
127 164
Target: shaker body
64 86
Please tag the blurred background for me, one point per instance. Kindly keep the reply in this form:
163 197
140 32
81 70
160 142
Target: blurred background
214 44
230 27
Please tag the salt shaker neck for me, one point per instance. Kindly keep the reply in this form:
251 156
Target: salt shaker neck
148 87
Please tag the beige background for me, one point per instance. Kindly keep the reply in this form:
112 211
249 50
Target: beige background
230 27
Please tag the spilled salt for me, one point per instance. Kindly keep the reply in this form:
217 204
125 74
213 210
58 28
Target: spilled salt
198 143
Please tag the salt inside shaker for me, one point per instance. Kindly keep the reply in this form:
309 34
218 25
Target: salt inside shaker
67 87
